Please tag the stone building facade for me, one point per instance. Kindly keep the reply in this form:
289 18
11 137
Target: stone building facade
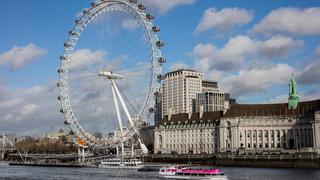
183 133
244 128
268 128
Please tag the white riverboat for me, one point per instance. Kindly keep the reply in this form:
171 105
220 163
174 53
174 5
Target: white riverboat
191 173
119 163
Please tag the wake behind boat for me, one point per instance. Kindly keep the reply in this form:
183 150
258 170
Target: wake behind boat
192 173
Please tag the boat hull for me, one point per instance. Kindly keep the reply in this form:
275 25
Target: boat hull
191 173
120 167
195 177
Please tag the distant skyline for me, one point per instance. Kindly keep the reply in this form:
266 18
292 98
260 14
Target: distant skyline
250 48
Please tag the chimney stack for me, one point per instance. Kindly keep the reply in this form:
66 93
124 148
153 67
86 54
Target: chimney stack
201 112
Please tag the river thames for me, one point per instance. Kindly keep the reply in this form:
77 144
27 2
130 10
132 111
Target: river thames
234 173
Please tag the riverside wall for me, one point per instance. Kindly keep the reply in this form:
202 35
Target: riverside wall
272 161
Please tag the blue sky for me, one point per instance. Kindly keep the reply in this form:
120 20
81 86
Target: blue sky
250 47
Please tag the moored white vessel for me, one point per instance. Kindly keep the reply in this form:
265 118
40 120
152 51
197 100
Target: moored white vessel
191 173
118 163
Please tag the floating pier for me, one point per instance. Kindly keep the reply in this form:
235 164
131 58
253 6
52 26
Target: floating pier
47 164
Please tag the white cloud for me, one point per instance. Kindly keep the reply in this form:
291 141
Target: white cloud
33 107
290 20
310 74
160 6
317 51
303 96
215 75
8 117
17 57
34 90
233 54
10 103
256 79
204 50
166 5
130 24
226 58
310 95
245 65
279 46
280 99
178 65
85 57
29 109
237 47
203 54
223 20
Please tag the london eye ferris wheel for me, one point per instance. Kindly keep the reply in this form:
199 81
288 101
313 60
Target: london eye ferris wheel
110 72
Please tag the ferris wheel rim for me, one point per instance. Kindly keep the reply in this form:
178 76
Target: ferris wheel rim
74 35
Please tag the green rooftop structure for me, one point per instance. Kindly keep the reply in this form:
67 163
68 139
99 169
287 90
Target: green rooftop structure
293 99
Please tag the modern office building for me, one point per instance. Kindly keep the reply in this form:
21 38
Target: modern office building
210 101
211 98
180 89
184 91
209 86
158 110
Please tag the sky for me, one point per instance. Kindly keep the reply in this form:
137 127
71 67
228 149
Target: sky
251 48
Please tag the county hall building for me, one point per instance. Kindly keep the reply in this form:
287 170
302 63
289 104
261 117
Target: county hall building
283 128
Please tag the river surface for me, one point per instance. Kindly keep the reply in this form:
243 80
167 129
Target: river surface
234 173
